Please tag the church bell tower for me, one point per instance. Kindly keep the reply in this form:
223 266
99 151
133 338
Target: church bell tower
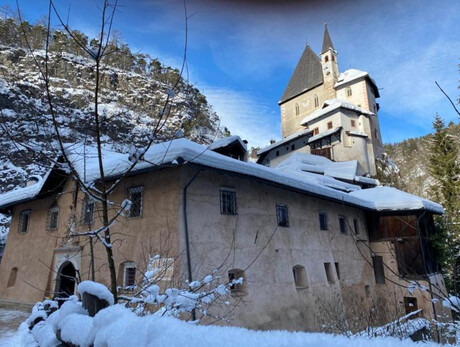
329 65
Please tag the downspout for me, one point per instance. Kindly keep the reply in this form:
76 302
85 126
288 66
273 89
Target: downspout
187 244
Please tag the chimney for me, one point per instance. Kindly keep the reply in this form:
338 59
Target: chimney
272 141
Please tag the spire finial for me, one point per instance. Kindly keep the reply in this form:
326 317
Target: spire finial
325 23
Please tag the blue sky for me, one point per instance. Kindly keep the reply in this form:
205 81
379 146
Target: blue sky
241 53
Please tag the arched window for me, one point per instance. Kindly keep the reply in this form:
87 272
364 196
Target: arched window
297 109
333 58
316 100
237 280
300 276
349 93
326 59
53 217
12 277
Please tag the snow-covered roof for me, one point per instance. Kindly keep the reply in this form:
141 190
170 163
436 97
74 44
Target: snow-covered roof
332 105
352 75
19 195
345 170
226 141
287 139
182 150
324 134
391 199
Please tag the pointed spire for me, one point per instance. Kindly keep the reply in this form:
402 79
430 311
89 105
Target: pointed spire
327 42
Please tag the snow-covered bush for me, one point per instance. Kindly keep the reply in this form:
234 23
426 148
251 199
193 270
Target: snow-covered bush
72 323
148 297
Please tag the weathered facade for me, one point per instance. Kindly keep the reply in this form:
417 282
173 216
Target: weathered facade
306 251
340 109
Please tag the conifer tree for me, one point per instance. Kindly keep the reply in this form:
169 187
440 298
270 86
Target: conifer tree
445 170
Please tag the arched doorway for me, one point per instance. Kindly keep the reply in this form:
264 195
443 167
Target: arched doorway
65 280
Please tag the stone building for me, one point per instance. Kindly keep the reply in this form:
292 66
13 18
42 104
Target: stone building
311 248
335 113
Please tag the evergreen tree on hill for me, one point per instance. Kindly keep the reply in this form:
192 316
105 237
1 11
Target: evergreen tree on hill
445 170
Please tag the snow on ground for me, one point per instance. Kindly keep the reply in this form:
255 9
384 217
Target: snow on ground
9 322
117 326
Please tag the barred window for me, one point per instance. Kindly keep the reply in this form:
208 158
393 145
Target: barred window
129 276
53 217
24 221
227 201
282 215
136 196
323 221
87 211
237 275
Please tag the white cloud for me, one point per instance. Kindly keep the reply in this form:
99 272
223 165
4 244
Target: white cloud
243 114
409 83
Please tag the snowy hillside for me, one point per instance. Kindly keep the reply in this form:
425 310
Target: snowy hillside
133 90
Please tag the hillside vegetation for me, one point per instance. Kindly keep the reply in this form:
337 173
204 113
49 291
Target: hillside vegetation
411 158
132 94
133 91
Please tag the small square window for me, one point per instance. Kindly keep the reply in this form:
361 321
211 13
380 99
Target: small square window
24 221
236 275
87 212
329 125
323 221
227 201
300 276
282 215
136 197
277 153
343 224
292 147
353 123
316 131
